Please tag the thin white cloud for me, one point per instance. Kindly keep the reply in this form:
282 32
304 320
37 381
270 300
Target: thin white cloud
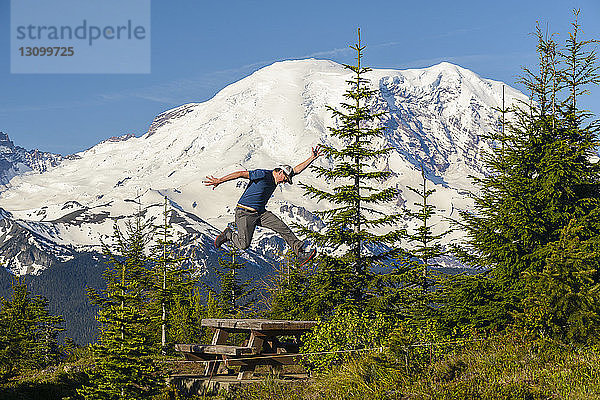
332 52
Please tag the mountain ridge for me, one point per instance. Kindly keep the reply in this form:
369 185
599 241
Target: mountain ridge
16 160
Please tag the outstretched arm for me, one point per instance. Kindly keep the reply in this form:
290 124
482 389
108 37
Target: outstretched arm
214 182
316 152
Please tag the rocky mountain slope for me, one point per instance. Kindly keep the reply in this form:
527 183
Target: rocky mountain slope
15 160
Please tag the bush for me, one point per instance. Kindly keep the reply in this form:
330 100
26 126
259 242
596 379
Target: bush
348 330
415 346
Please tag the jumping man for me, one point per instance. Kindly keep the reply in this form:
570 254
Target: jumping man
250 211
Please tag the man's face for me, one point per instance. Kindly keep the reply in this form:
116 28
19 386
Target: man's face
279 177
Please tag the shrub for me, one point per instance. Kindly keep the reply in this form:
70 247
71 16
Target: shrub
348 330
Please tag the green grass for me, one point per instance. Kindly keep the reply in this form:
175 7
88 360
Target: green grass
502 367
55 382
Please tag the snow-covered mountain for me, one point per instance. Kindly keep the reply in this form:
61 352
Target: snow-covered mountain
435 118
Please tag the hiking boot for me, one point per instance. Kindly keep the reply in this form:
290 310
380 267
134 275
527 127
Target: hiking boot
305 256
223 237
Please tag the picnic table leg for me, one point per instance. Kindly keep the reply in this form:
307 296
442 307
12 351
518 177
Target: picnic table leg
256 341
278 368
246 372
220 337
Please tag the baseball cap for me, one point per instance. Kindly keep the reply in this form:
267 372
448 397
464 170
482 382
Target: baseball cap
288 171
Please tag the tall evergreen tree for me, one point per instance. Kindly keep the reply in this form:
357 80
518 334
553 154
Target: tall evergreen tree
426 247
541 178
125 366
350 222
28 332
406 289
173 288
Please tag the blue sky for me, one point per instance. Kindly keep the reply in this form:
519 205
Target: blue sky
199 47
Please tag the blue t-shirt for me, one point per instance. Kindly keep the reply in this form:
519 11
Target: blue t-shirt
259 190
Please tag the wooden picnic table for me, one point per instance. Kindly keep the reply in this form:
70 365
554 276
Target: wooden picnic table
263 346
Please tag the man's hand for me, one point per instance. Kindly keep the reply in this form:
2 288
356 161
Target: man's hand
317 151
212 181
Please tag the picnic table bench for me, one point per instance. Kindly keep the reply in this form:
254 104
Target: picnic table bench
263 346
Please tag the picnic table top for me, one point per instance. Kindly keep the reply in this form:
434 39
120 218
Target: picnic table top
257 324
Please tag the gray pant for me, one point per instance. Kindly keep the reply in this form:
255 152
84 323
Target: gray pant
247 221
